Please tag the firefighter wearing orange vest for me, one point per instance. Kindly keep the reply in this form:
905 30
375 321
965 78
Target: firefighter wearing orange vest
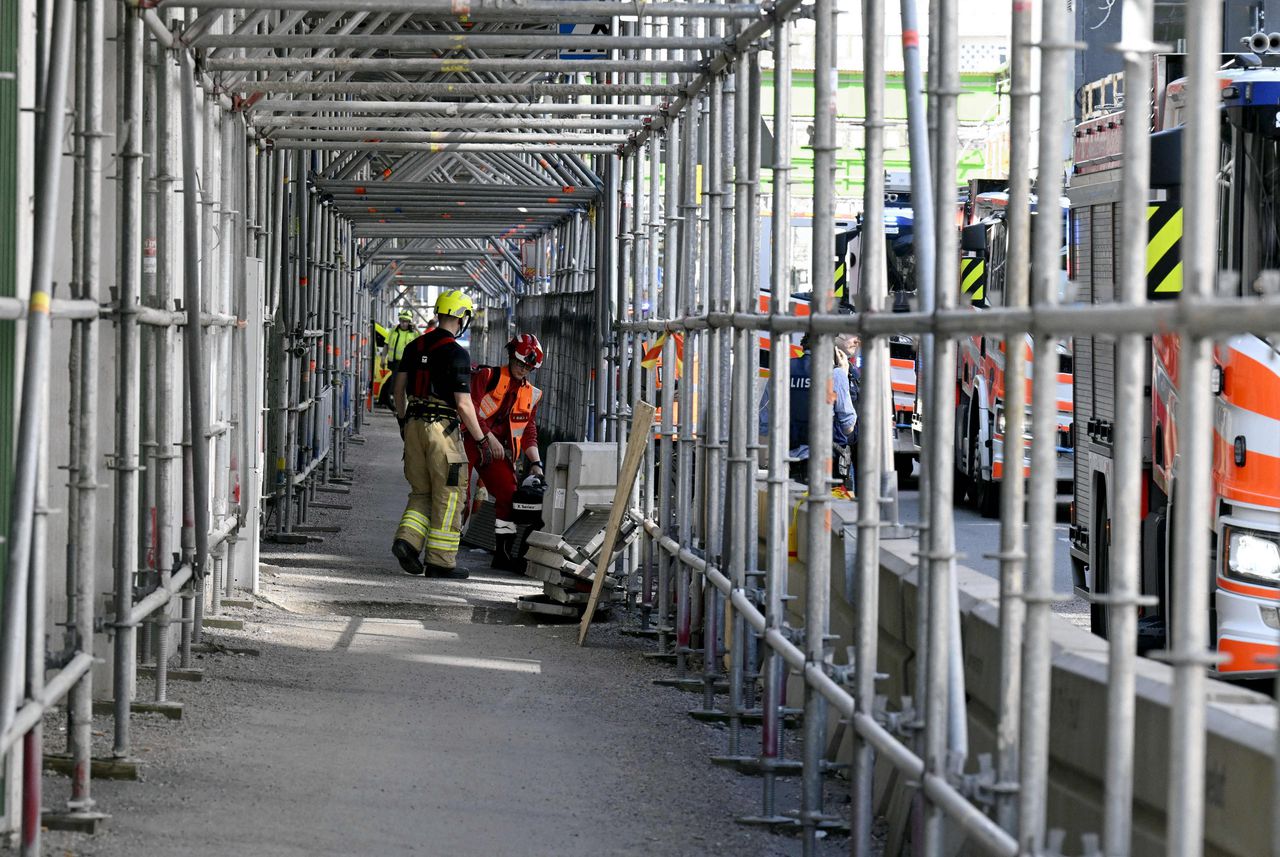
507 406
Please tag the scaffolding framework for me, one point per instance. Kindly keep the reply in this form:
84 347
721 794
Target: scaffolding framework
288 173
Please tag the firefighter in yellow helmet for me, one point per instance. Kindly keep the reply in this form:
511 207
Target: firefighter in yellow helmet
433 404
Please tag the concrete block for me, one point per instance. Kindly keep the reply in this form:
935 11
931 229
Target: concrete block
73 822
544 557
578 474
171 710
545 606
225 624
99 769
563 595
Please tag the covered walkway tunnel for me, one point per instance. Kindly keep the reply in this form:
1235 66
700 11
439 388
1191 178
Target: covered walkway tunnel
211 213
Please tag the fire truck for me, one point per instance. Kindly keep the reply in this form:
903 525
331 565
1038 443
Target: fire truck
1243 513
980 365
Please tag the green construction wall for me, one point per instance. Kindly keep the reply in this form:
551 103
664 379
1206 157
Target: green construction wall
981 103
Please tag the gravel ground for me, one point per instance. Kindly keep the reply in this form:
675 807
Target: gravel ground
385 714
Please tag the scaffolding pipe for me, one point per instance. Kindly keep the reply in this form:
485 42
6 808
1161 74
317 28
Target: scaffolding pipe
1123 576
128 348
36 367
193 341
873 416
1190 613
778 480
533 11
972 820
818 532
82 591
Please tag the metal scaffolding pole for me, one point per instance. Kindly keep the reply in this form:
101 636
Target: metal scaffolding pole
128 348
818 524
873 415
80 601
687 292
1123 576
35 372
1041 538
1189 630
672 169
1013 489
194 340
777 563
167 449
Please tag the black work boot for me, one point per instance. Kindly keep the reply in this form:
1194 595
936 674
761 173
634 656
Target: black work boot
408 557
434 570
504 558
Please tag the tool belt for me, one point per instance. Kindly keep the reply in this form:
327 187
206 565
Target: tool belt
433 410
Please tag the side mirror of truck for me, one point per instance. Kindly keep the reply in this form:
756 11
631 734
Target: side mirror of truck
973 238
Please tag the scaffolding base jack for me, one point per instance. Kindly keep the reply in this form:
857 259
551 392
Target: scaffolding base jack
209 647
665 657
773 822
791 717
99 768
692 684
174 674
754 766
286 538
171 710
73 822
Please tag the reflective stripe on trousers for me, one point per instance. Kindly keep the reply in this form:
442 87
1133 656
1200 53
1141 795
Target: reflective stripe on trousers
435 464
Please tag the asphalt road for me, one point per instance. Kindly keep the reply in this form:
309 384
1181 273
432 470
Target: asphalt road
977 538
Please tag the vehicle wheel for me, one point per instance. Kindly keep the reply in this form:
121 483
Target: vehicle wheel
1101 581
988 496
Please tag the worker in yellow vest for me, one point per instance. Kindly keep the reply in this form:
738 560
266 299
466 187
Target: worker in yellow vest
507 406
393 346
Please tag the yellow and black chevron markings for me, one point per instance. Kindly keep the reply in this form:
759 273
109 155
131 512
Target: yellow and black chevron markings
973 277
842 278
1164 250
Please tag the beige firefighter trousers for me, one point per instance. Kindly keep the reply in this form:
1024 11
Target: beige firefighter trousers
435 464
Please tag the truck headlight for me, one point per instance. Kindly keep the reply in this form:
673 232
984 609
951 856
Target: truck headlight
1000 422
1253 556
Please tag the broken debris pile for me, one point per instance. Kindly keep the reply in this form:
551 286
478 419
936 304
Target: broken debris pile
566 564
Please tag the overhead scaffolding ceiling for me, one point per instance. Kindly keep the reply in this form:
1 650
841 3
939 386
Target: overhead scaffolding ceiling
456 128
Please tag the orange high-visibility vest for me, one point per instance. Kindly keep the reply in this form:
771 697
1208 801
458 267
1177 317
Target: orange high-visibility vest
527 398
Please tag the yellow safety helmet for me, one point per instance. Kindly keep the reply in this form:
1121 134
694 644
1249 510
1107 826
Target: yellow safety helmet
455 302
405 315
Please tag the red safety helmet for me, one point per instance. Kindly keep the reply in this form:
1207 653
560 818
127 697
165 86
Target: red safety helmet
527 349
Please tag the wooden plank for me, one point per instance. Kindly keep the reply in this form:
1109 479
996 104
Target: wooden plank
641 425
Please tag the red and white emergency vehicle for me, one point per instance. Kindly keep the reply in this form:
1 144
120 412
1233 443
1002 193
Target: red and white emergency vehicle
1243 513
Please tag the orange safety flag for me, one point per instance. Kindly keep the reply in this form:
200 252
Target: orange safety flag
652 357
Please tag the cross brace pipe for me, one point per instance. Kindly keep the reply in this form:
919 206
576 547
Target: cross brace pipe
1207 318
533 11
445 65
495 123
457 90
450 108
523 41
534 148
327 135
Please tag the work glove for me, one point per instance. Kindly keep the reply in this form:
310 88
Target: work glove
533 480
485 457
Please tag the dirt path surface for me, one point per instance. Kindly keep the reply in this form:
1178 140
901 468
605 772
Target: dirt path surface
387 715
